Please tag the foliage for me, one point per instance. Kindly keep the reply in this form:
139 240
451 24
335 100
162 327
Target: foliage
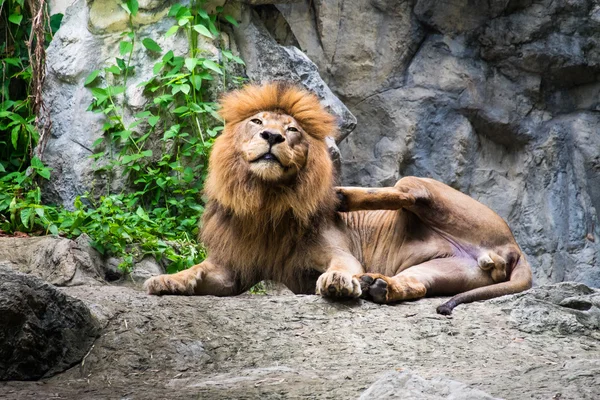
160 215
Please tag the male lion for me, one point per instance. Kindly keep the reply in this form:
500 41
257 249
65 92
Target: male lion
273 213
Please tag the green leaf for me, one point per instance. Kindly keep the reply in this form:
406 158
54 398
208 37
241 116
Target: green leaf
157 67
133 6
173 30
213 66
190 63
196 82
153 120
26 214
185 88
55 21
113 69
12 61
40 212
174 9
168 56
201 29
147 153
53 229
97 142
151 45
14 136
181 110
91 77
44 173
2 168
231 20
15 18
37 163
125 47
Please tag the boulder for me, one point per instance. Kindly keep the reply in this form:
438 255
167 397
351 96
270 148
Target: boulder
42 330
288 346
59 261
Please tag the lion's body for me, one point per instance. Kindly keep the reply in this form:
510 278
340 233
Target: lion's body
271 214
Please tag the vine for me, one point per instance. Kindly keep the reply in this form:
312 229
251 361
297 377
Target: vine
158 215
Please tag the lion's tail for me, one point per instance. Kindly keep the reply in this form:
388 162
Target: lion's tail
520 280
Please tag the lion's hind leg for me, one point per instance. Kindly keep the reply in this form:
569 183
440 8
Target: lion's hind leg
440 276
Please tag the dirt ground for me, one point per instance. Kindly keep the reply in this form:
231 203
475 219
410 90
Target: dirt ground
271 347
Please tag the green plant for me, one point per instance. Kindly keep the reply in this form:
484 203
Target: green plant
160 216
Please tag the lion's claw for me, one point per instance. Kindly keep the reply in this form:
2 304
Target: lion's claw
169 284
338 284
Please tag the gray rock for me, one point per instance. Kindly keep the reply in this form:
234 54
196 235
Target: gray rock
42 331
273 347
409 386
59 261
146 268
565 308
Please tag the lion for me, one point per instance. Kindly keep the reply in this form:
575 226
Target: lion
273 213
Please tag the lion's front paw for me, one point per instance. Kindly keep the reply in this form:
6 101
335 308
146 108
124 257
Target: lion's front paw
184 284
338 284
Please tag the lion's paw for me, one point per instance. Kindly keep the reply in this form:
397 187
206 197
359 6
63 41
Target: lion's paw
170 284
374 287
338 284
383 289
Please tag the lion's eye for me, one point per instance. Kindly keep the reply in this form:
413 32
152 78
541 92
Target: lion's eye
292 129
256 121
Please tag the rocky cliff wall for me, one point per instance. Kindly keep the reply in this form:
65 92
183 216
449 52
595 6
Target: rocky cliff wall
499 99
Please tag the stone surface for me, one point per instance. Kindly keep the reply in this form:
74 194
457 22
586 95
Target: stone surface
498 99
42 330
409 386
273 347
59 261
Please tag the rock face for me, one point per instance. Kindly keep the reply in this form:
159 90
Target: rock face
42 330
273 347
498 99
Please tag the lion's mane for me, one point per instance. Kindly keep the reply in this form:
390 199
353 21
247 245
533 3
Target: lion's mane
259 229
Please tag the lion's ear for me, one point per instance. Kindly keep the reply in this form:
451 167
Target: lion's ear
283 97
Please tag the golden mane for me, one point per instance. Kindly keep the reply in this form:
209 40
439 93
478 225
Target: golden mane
264 221
279 97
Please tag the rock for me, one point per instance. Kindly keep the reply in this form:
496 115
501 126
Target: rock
264 346
146 268
59 261
407 385
42 331
565 308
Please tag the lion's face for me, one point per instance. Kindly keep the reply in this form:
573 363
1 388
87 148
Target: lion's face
274 146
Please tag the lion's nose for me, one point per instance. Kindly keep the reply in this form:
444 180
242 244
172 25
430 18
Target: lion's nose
272 137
